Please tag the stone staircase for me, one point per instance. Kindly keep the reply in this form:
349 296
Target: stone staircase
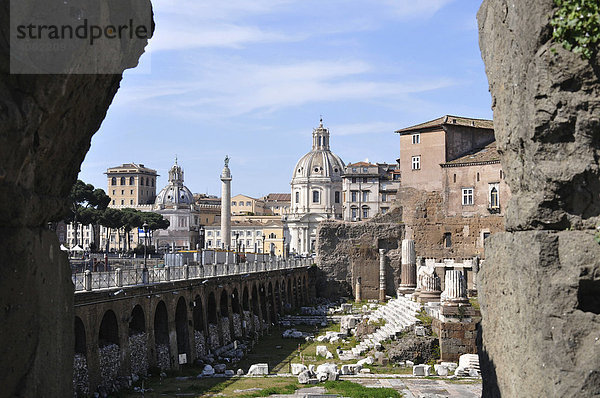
398 314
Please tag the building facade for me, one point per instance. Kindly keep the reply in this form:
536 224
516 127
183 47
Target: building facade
131 185
250 236
246 205
369 189
316 192
452 191
277 203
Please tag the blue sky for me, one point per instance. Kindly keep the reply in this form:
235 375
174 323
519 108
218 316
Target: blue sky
249 79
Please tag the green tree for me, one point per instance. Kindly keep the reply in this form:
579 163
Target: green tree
87 205
155 222
111 219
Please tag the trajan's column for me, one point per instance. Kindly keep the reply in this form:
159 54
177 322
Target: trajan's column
226 205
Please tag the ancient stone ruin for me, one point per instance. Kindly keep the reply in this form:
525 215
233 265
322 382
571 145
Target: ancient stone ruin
540 285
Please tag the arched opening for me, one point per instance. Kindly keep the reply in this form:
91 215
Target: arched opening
80 345
181 328
109 330
277 297
198 320
236 318
223 304
305 289
290 300
271 303
137 324
263 306
138 342
109 351
80 368
299 300
256 315
213 329
225 322
295 292
161 336
245 300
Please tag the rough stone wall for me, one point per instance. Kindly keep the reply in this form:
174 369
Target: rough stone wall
426 219
455 338
337 243
540 285
46 124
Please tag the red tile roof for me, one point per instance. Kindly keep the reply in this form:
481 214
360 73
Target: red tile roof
279 197
449 120
488 153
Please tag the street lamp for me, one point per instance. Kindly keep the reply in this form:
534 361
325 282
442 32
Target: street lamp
237 246
145 270
202 237
283 250
263 239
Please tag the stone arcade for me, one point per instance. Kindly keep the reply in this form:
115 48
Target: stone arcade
124 330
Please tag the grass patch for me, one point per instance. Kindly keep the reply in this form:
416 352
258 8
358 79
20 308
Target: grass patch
391 370
425 319
474 303
235 387
354 390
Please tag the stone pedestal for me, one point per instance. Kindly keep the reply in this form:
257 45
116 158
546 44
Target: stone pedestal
455 291
408 269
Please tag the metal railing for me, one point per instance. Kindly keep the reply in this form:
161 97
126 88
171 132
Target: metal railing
88 280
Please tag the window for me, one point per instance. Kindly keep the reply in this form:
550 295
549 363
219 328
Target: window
210 243
218 234
218 242
209 233
353 180
416 162
447 239
384 210
383 197
354 213
113 181
258 233
248 243
365 169
494 198
337 197
122 180
248 204
113 191
153 182
272 235
234 203
297 197
122 202
501 175
454 177
396 177
315 196
486 235
113 202
142 181
131 191
477 177
365 196
467 196
130 201
353 195
416 138
354 169
365 212
131 181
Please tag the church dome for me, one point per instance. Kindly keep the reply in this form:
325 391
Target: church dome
320 162
175 193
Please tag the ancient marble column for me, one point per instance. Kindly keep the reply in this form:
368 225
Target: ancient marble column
358 292
455 291
408 270
226 205
381 275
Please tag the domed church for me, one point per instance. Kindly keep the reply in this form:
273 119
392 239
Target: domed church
175 203
316 192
